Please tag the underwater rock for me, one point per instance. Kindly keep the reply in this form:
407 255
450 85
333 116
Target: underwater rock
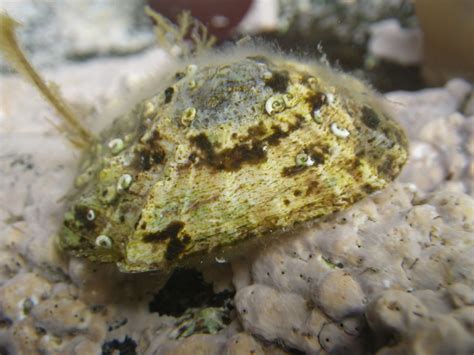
243 343
439 329
331 271
441 129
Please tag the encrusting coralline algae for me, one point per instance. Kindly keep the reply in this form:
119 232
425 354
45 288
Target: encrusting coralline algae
397 263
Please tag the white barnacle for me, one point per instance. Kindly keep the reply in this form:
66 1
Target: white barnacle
116 145
275 104
191 69
90 216
188 116
124 182
103 241
220 260
304 159
192 84
338 131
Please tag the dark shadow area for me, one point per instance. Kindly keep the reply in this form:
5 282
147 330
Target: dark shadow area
349 57
115 347
186 289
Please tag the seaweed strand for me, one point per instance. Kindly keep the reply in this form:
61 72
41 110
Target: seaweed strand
170 36
71 127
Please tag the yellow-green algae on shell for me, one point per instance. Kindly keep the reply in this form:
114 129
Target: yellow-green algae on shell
230 148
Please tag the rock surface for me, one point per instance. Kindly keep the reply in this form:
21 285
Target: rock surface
441 130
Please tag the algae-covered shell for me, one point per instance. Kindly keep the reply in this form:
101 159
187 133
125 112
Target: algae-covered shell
259 142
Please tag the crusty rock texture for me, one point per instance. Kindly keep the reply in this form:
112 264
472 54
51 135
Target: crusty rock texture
393 274
440 124
313 290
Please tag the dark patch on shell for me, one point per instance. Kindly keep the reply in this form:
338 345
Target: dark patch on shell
170 232
317 101
313 187
176 246
146 159
277 133
179 75
369 188
274 138
249 149
80 214
230 159
289 171
149 154
317 157
279 81
370 118
169 95
387 168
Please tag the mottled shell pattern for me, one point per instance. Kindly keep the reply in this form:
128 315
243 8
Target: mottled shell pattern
229 150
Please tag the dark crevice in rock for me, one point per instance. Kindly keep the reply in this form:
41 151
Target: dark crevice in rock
186 289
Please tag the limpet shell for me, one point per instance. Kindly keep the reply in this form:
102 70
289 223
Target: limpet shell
276 142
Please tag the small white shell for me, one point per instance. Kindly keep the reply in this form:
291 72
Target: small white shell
275 104
116 145
90 215
124 182
339 132
103 241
